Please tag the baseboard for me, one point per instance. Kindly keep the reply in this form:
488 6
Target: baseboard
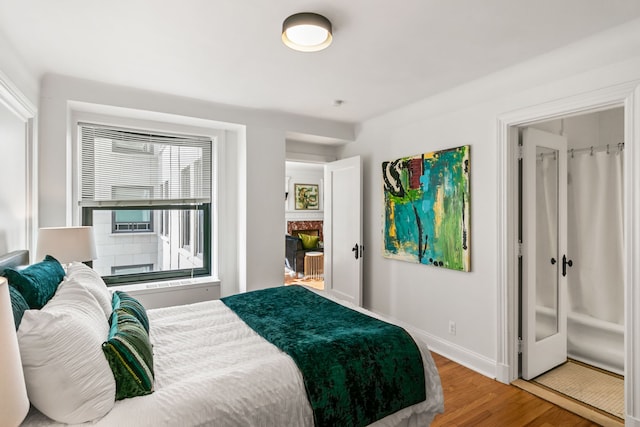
469 359
461 355
630 421
503 373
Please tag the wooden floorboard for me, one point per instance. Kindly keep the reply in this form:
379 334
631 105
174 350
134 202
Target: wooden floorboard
471 399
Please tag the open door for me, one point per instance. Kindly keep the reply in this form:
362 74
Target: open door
544 252
343 249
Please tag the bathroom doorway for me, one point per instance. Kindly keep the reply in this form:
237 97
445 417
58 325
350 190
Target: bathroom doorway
627 96
571 255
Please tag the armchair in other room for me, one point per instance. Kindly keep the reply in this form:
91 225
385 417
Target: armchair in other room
296 250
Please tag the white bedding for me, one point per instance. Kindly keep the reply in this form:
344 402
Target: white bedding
212 369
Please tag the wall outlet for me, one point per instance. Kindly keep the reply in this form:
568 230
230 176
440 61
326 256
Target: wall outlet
452 327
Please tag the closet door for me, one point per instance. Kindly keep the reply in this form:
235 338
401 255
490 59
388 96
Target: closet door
544 252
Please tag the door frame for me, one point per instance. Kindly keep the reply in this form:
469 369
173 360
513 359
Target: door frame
625 95
14 100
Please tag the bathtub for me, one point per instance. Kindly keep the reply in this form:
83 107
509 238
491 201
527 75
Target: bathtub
596 342
593 341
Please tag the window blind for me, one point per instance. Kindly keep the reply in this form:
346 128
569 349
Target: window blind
125 167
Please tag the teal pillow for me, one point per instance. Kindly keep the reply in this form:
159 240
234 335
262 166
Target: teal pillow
129 353
38 282
124 301
18 304
308 241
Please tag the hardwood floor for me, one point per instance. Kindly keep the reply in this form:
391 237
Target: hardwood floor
472 399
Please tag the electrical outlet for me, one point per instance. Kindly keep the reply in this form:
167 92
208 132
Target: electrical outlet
452 327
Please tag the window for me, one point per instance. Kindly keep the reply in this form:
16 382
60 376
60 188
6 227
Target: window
131 221
131 269
132 180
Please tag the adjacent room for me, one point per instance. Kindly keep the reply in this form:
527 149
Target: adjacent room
458 242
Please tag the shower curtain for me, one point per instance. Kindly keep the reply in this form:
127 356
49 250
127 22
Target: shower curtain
595 226
595 233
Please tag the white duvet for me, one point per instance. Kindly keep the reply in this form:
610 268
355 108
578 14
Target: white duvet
211 369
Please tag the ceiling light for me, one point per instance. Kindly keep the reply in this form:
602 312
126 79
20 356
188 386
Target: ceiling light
307 32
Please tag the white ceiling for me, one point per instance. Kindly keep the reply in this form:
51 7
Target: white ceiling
385 53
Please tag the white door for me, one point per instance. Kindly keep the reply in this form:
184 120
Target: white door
343 247
545 262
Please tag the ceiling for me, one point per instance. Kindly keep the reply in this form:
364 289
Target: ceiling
385 54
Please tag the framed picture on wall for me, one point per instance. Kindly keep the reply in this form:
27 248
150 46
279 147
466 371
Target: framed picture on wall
427 208
306 196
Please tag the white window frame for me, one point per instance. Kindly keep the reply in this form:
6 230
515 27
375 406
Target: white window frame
153 122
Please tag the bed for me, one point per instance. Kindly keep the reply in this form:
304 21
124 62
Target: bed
211 368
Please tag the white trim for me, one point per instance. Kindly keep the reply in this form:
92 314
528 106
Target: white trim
16 102
627 94
632 255
12 98
461 355
309 158
154 287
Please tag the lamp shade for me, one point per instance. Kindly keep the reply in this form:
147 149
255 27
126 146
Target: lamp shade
307 32
14 403
67 244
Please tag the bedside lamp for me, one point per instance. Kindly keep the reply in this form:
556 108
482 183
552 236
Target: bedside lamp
14 403
67 244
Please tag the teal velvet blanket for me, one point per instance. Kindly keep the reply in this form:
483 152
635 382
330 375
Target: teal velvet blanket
356 369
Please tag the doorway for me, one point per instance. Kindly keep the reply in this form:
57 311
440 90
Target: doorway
304 224
572 252
572 234
625 95
342 249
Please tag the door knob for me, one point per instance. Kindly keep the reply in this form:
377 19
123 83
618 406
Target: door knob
565 263
356 250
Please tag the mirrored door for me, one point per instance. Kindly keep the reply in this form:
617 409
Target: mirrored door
544 217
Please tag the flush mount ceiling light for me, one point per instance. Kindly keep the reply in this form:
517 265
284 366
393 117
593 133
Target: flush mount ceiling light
307 32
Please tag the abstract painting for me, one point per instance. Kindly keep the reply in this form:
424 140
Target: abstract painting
426 209
306 196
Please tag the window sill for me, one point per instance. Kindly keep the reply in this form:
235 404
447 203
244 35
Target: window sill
173 285
133 233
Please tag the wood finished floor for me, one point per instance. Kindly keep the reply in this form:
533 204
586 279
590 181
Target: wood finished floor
472 399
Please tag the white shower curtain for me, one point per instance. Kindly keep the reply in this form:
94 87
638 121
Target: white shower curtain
595 235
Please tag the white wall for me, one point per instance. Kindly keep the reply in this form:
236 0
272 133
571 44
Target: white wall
428 297
15 69
251 186
304 173
299 151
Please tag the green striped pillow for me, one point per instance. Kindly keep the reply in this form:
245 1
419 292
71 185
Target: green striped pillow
129 353
124 301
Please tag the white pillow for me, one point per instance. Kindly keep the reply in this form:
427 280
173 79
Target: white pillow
79 274
67 375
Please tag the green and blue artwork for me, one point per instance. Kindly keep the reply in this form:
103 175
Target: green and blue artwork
426 209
